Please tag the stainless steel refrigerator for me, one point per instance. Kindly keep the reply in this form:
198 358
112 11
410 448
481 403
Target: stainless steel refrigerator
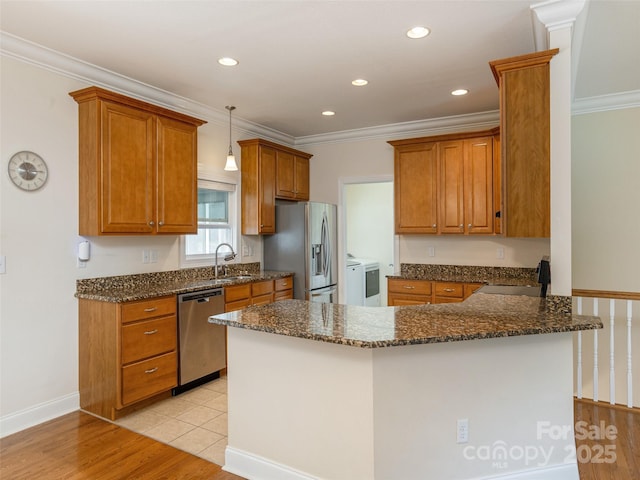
305 244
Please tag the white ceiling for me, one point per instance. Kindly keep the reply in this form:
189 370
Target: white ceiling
297 58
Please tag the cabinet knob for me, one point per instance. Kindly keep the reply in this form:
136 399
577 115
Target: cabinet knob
151 332
150 309
160 224
433 226
461 226
262 225
151 370
152 223
470 225
449 290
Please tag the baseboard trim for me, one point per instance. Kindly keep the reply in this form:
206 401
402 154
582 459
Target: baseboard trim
567 471
252 466
29 417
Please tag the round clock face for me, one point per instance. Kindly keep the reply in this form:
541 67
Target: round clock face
28 170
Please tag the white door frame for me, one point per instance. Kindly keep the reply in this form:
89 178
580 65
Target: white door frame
342 237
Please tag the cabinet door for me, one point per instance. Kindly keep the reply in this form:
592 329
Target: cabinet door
128 176
478 185
301 178
451 186
177 194
266 187
285 175
415 188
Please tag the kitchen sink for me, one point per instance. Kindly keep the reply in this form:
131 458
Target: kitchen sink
528 290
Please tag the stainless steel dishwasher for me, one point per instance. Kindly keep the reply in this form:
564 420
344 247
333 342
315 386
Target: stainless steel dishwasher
202 344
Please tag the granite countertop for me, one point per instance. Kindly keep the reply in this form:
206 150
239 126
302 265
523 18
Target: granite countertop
139 287
480 316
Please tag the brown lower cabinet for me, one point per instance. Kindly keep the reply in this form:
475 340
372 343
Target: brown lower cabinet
237 297
417 292
127 353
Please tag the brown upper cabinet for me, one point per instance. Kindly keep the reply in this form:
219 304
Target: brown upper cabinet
292 176
270 171
524 87
445 184
137 166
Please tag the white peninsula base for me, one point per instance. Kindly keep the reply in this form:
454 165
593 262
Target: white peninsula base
306 409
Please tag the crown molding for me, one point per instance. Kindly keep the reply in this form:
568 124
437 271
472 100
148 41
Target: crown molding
59 63
417 128
603 103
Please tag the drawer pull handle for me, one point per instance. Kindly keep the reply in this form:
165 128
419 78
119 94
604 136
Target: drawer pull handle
151 370
449 290
408 287
151 309
151 332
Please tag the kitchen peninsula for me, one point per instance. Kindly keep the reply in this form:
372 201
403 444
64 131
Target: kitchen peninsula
347 392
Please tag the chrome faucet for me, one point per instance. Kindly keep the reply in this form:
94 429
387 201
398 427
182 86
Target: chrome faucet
229 257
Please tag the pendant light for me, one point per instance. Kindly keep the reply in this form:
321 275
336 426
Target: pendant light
231 164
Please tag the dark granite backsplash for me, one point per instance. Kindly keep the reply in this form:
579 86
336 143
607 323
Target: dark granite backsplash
87 285
466 273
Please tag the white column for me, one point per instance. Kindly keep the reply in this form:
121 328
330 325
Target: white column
558 18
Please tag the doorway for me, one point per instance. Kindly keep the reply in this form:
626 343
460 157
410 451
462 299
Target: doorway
368 225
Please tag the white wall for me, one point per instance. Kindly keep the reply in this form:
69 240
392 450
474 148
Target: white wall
606 199
38 236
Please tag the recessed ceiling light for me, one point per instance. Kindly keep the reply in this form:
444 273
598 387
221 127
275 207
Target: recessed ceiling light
328 113
227 61
460 91
418 32
359 82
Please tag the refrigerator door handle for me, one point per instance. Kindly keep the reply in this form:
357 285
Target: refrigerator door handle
326 246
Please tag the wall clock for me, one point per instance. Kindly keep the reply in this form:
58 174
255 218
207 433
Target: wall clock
28 170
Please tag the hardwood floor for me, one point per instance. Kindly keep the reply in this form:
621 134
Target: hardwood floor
606 457
80 446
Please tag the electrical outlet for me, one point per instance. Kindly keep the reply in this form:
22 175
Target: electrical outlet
462 430
500 253
3 264
153 256
431 251
146 256
81 264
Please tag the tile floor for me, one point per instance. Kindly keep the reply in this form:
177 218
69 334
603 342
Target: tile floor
194 421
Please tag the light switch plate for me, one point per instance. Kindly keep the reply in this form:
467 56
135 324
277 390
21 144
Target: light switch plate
3 264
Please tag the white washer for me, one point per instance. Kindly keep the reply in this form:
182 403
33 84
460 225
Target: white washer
371 280
355 283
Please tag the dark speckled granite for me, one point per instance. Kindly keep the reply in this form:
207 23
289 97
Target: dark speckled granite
480 316
468 273
127 288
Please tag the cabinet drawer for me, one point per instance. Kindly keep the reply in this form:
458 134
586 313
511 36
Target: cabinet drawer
446 289
417 287
237 292
261 288
283 295
237 305
262 299
149 377
447 300
283 283
400 299
143 309
148 338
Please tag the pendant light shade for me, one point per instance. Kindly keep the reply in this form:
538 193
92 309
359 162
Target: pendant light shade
231 164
